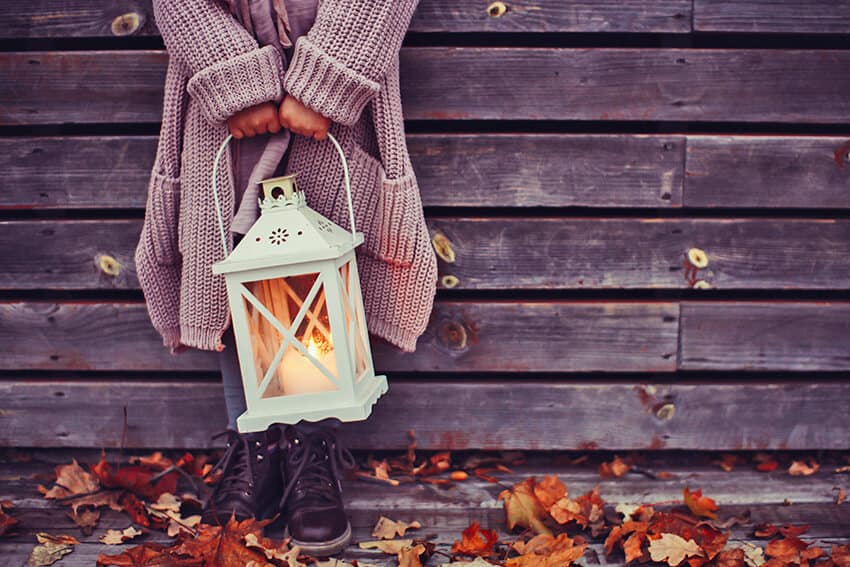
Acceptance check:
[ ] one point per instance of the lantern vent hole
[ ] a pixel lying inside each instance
(325, 225)
(277, 192)
(278, 236)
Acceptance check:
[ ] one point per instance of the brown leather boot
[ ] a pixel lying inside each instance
(312, 498)
(250, 485)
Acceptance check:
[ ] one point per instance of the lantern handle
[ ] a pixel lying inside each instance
(218, 213)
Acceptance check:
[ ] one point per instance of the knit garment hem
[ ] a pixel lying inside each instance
(322, 83)
(171, 338)
(257, 73)
(404, 339)
(202, 338)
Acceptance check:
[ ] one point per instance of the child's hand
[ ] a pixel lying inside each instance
(302, 120)
(254, 120)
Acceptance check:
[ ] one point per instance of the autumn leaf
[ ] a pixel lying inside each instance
(727, 461)
(799, 468)
(546, 551)
(85, 520)
(391, 546)
(841, 555)
(147, 555)
(7, 522)
(135, 478)
(787, 550)
(753, 554)
(475, 541)
(273, 550)
(522, 507)
(223, 546)
(730, 558)
(477, 562)
(549, 490)
(117, 537)
(673, 549)
(787, 530)
(632, 545)
(616, 468)
(50, 549)
(167, 510)
(587, 509)
(72, 480)
(389, 529)
(410, 556)
(700, 505)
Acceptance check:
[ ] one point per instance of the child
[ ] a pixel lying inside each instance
(233, 68)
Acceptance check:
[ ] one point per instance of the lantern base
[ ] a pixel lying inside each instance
(359, 409)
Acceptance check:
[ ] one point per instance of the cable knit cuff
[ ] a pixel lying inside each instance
(234, 84)
(325, 85)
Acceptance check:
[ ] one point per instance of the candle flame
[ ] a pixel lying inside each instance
(316, 348)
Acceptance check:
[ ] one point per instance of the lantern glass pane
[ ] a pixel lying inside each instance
(282, 321)
(353, 319)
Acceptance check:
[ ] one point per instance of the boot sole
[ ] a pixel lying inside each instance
(322, 548)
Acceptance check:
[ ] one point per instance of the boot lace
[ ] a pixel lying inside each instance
(316, 460)
(235, 466)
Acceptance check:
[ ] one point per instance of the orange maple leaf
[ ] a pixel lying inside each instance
(616, 468)
(787, 550)
(700, 505)
(135, 478)
(475, 541)
(147, 555)
(549, 490)
(546, 551)
(223, 546)
(522, 507)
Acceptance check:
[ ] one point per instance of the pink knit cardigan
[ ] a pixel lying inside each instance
(345, 68)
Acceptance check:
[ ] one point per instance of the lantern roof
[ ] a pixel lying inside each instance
(287, 232)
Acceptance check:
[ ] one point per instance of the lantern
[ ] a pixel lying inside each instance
(297, 312)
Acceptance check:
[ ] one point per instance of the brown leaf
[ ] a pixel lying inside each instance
(475, 541)
(223, 546)
(547, 551)
(770, 530)
(841, 555)
(632, 547)
(409, 556)
(147, 555)
(135, 478)
(390, 529)
(117, 537)
(522, 507)
(50, 549)
(673, 549)
(549, 490)
(787, 549)
(616, 468)
(391, 546)
(730, 558)
(841, 496)
(700, 505)
(72, 479)
(799, 468)
(273, 550)
(727, 461)
(85, 520)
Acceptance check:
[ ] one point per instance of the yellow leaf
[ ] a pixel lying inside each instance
(522, 507)
(673, 549)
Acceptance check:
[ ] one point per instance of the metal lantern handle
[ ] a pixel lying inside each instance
(218, 203)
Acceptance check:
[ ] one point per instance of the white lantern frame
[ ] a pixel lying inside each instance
(354, 392)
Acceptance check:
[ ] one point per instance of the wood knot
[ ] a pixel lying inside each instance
(664, 411)
(109, 265)
(126, 24)
(496, 9)
(452, 335)
(698, 258)
(449, 281)
(443, 247)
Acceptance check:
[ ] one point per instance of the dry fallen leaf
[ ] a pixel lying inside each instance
(475, 541)
(50, 549)
(753, 554)
(547, 551)
(700, 505)
(522, 507)
(117, 537)
(409, 556)
(787, 550)
(841, 555)
(673, 549)
(7, 522)
(271, 549)
(799, 468)
(223, 546)
(477, 562)
(389, 529)
(616, 468)
(549, 490)
(730, 558)
(86, 519)
(841, 496)
(147, 555)
(391, 546)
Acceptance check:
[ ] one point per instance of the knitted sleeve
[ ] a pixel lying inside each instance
(336, 68)
(227, 68)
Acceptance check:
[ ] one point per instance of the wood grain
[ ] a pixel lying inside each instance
(93, 18)
(769, 335)
(492, 253)
(462, 337)
(767, 171)
(508, 170)
(524, 415)
(761, 16)
(472, 83)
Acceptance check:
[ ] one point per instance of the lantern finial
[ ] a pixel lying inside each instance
(280, 193)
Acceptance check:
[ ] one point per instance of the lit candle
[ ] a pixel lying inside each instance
(301, 376)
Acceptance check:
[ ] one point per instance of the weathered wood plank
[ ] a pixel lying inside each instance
(461, 337)
(767, 171)
(90, 18)
(481, 83)
(768, 335)
(453, 415)
(787, 16)
(503, 253)
(509, 170)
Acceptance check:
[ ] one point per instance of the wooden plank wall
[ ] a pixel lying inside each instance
(570, 155)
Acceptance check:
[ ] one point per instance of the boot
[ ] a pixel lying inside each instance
(312, 498)
(250, 485)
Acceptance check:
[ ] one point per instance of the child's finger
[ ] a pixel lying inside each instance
(273, 126)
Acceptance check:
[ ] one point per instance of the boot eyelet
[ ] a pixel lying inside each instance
(259, 458)
(257, 444)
